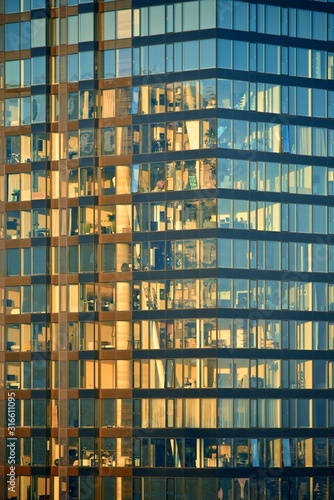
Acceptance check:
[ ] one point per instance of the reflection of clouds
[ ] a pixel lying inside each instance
(86, 142)
(108, 141)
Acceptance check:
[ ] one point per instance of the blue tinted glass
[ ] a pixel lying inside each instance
(207, 14)
(38, 103)
(190, 16)
(319, 30)
(272, 59)
(39, 260)
(73, 63)
(177, 56)
(169, 18)
(108, 64)
(12, 6)
(25, 5)
(225, 15)
(12, 36)
(319, 105)
(157, 59)
(134, 103)
(135, 177)
(286, 139)
(331, 27)
(144, 60)
(190, 55)
(25, 110)
(25, 35)
(109, 25)
(12, 74)
(38, 4)
(157, 19)
(207, 53)
(136, 61)
(303, 23)
(38, 32)
(240, 17)
(12, 112)
(224, 54)
(302, 62)
(86, 24)
(169, 58)
(38, 298)
(86, 65)
(241, 55)
(38, 71)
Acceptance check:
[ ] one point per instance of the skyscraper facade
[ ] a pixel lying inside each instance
(167, 249)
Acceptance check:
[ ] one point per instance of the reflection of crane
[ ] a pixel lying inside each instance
(301, 380)
(14, 158)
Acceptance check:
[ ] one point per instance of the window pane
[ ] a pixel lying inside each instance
(38, 33)
(123, 62)
(72, 26)
(108, 64)
(86, 27)
(157, 59)
(157, 20)
(240, 58)
(12, 36)
(224, 54)
(86, 65)
(207, 53)
(190, 55)
(190, 16)
(38, 70)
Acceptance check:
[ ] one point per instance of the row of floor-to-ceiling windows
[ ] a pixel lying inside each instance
(188, 333)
